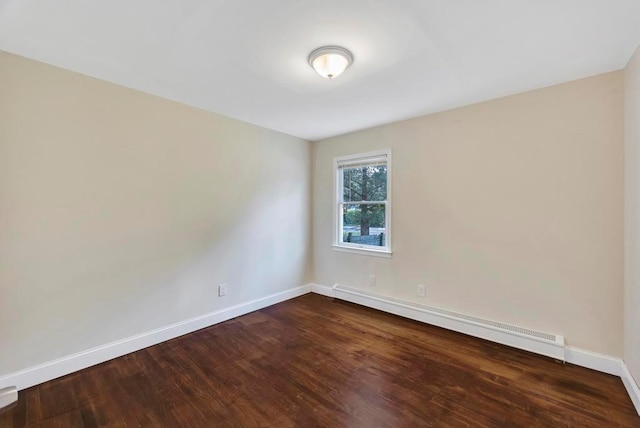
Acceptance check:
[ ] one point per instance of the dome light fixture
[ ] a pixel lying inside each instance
(330, 61)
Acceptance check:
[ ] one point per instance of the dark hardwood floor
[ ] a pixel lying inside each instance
(313, 361)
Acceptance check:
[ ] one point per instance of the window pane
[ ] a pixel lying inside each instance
(368, 183)
(364, 224)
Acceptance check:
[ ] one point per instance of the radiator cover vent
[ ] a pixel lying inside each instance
(502, 326)
(548, 344)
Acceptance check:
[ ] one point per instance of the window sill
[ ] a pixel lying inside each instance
(362, 251)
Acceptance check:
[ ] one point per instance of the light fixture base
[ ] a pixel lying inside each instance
(330, 61)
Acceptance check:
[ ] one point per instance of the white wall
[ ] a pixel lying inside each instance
(632, 216)
(510, 210)
(121, 212)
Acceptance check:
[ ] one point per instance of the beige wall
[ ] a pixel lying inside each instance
(632, 216)
(511, 210)
(121, 212)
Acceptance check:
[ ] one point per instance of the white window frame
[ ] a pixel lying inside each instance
(338, 245)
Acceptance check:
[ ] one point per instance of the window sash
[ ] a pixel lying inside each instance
(341, 184)
(340, 230)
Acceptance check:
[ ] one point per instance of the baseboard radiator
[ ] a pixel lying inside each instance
(551, 345)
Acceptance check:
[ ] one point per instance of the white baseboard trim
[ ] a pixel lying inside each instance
(8, 396)
(323, 290)
(62, 366)
(631, 385)
(593, 360)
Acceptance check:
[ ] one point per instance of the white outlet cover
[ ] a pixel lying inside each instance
(422, 290)
(222, 290)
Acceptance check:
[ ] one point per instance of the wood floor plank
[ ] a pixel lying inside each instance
(313, 361)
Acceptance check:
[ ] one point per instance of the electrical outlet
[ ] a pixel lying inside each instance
(222, 290)
(422, 290)
(372, 280)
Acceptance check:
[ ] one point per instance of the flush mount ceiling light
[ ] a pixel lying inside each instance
(330, 61)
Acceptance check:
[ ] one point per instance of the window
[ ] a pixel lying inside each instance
(363, 203)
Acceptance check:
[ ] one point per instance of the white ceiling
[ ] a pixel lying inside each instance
(248, 58)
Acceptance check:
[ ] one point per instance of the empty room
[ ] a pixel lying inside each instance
(336, 214)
